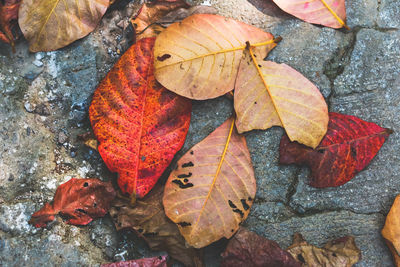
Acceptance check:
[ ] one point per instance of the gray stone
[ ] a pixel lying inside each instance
(389, 14)
(361, 13)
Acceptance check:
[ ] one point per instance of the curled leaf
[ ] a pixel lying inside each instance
(160, 261)
(247, 248)
(199, 57)
(148, 219)
(342, 252)
(140, 125)
(213, 187)
(8, 14)
(78, 200)
(270, 94)
(51, 24)
(348, 147)
(330, 13)
(391, 230)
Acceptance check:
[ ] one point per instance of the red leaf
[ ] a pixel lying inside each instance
(348, 147)
(160, 261)
(249, 249)
(8, 13)
(79, 200)
(140, 125)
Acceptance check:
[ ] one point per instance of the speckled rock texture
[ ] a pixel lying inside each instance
(44, 100)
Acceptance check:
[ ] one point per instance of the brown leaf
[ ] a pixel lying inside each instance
(199, 57)
(247, 248)
(160, 261)
(8, 14)
(78, 200)
(148, 219)
(341, 252)
(211, 191)
(391, 230)
(51, 24)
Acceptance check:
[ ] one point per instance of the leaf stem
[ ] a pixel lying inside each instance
(335, 15)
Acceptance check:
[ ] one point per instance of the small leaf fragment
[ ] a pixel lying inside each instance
(348, 147)
(79, 200)
(8, 14)
(391, 230)
(160, 261)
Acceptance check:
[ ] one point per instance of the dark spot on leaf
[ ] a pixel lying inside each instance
(163, 57)
(184, 224)
(300, 258)
(191, 152)
(140, 230)
(181, 184)
(159, 257)
(95, 204)
(255, 102)
(86, 184)
(81, 211)
(334, 255)
(143, 158)
(186, 180)
(353, 151)
(239, 211)
(249, 199)
(321, 151)
(244, 204)
(185, 175)
(247, 45)
(233, 206)
(188, 164)
(259, 65)
(232, 230)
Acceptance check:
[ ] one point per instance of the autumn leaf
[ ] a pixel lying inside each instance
(330, 13)
(212, 189)
(202, 54)
(140, 125)
(148, 220)
(348, 147)
(246, 248)
(51, 24)
(270, 94)
(342, 252)
(8, 13)
(78, 200)
(391, 230)
(160, 261)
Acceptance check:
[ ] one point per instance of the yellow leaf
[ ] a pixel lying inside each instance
(391, 230)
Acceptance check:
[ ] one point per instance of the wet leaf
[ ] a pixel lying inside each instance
(247, 248)
(148, 219)
(51, 24)
(199, 57)
(342, 252)
(330, 13)
(140, 125)
(270, 94)
(348, 147)
(79, 201)
(8, 14)
(160, 261)
(391, 230)
(212, 189)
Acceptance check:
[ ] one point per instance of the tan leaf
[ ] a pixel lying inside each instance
(51, 24)
(211, 191)
(270, 94)
(199, 57)
(341, 252)
(331, 13)
(148, 219)
(391, 230)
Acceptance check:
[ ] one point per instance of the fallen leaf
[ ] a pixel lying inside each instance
(348, 147)
(160, 261)
(148, 219)
(51, 24)
(330, 13)
(342, 252)
(391, 230)
(78, 200)
(8, 13)
(140, 125)
(199, 57)
(269, 8)
(270, 94)
(213, 187)
(246, 248)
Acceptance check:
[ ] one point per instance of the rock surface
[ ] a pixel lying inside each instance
(44, 98)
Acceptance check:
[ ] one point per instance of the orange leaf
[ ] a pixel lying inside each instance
(391, 230)
(211, 191)
(8, 13)
(330, 13)
(140, 125)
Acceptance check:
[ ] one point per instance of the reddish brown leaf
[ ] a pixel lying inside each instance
(160, 261)
(139, 124)
(247, 248)
(78, 200)
(391, 231)
(348, 147)
(8, 14)
(149, 221)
